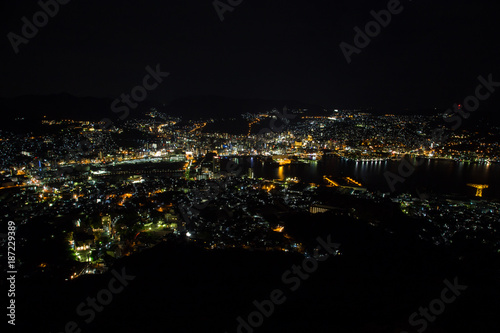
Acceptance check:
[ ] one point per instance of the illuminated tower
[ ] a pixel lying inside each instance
(479, 189)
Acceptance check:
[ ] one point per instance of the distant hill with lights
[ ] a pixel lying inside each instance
(25, 111)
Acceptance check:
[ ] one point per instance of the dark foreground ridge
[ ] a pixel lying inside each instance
(376, 283)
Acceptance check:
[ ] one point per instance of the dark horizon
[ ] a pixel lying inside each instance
(57, 95)
(429, 55)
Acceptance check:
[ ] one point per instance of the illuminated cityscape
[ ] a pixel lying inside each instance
(250, 167)
(105, 194)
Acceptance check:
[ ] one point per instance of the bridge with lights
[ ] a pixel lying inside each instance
(344, 183)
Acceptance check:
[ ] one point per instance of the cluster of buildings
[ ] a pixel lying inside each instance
(452, 219)
(131, 186)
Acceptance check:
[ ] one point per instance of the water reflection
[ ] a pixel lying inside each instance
(435, 175)
(281, 173)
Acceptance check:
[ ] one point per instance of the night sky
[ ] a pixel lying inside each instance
(429, 55)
